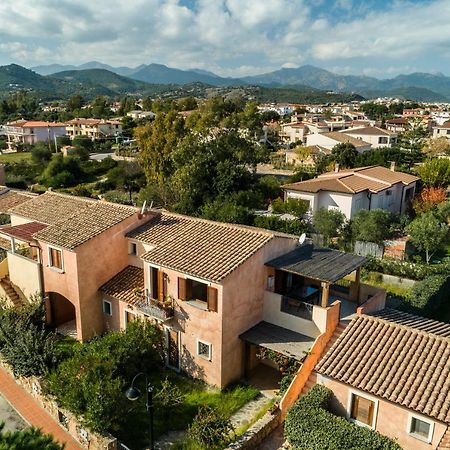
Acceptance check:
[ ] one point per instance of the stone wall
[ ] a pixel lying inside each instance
(86, 438)
(257, 432)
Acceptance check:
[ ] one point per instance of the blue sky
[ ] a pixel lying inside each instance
(231, 37)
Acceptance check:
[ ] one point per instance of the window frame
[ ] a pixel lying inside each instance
(132, 246)
(365, 396)
(104, 301)
(429, 438)
(50, 259)
(209, 345)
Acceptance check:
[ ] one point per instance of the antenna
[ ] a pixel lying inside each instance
(302, 238)
(143, 207)
(151, 205)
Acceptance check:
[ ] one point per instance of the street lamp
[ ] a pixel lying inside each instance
(133, 393)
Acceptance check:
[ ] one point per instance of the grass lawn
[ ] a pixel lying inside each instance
(135, 434)
(15, 157)
(394, 293)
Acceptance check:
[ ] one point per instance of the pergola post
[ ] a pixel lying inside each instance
(357, 285)
(325, 294)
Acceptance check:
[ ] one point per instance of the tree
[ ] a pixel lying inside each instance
(345, 154)
(429, 199)
(435, 172)
(295, 206)
(83, 142)
(413, 138)
(41, 153)
(427, 234)
(28, 439)
(62, 172)
(436, 147)
(328, 222)
(371, 226)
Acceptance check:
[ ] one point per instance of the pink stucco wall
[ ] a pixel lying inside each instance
(392, 420)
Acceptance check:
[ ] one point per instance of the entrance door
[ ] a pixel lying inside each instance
(173, 349)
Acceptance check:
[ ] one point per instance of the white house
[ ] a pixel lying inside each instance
(375, 136)
(332, 138)
(139, 114)
(372, 187)
(442, 131)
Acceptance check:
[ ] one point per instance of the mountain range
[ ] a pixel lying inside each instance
(95, 78)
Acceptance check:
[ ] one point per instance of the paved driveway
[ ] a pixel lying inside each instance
(9, 415)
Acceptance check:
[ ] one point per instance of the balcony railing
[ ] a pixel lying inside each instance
(161, 310)
(296, 307)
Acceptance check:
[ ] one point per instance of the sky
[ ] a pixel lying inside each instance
(379, 38)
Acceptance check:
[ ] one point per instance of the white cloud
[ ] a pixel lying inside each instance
(231, 37)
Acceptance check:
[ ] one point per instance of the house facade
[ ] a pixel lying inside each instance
(389, 372)
(348, 191)
(330, 139)
(94, 128)
(442, 131)
(377, 137)
(30, 132)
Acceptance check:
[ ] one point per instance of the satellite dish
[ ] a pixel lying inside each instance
(302, 238)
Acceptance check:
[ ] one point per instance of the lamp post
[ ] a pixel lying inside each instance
(134, 393)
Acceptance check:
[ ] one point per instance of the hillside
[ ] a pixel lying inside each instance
(13, 77)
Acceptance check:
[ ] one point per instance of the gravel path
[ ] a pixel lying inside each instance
(13, 422)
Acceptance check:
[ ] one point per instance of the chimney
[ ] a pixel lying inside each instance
(336, 167)
(393, 166)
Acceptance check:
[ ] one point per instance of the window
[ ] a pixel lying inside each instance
(363, 410)
(383, 140)
(132, 248)
(420, 428)
(55, 258)
(204, 350)
(107, 308)
(198, 290)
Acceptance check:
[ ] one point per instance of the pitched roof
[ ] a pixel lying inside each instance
(444, 125)
(202, 248)
(371, 178)
(369, 131)
(10, 199)
(124, 285)
(344, 139)
(395, 360)
(72, 220)
(35, 124)
(318, 263)
(24, 232)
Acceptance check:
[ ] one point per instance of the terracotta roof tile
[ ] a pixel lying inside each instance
(10, 199)
(369, 131)
(202, 248)
(344, 138)
(397, 360)
(124, 285)
(317, 184)
(24, 232)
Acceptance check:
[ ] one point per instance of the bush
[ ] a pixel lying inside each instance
(371, 226)
(310, 425)
(296, 227)
(91, 382)
(428, 295)
(209, 429)
(296, 207)
(328, 222)
(28, 439)
(24, 342)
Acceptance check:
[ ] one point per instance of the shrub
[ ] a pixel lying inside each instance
(296, 226)
(24, 342)
(91, 382)
(310, 425)
(296, 207)
(371, 226)
(328, 222)
(28, 439)
(428, 295)
(210, 429)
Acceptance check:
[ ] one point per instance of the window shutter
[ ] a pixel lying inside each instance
(182, 288)
(279, 282)
(160, 285)
(212, 299)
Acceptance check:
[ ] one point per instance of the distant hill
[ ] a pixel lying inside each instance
(13, 77)
(415, 86)
(114, 83)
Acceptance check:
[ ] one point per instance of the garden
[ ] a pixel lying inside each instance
(90, 380)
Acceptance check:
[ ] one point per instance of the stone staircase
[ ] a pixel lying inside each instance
(13, 297)
(312, 380)
(445, 441)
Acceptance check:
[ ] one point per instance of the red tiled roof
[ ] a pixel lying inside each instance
(24, 231)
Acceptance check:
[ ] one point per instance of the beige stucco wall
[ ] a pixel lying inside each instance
(17, 220)
(392, 420)
(24, 273)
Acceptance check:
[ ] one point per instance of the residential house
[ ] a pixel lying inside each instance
(389, 371)
(442, 130)
(375, 136)
(217, 290)
(94, 128)
(372, 187)
(139, 114)
(333, 138)
(396, 125)
(306, 157)
(293, 132)
(30, 132)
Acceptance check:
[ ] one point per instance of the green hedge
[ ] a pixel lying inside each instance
(405, 269)
(310, 426)
(428, 296)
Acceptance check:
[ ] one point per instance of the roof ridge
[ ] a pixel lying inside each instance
(407, 327)
(339, 180)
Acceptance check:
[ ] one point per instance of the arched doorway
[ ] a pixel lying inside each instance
(61, 314)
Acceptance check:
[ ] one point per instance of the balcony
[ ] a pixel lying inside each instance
(160, 310)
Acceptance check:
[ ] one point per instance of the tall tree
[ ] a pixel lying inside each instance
(328, 222)
(435, 172)
(345, 154)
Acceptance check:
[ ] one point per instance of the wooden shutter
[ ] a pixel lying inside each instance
(279, 278)
(182, 288)
(160, 285)
(212, 299)
(154, 282)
